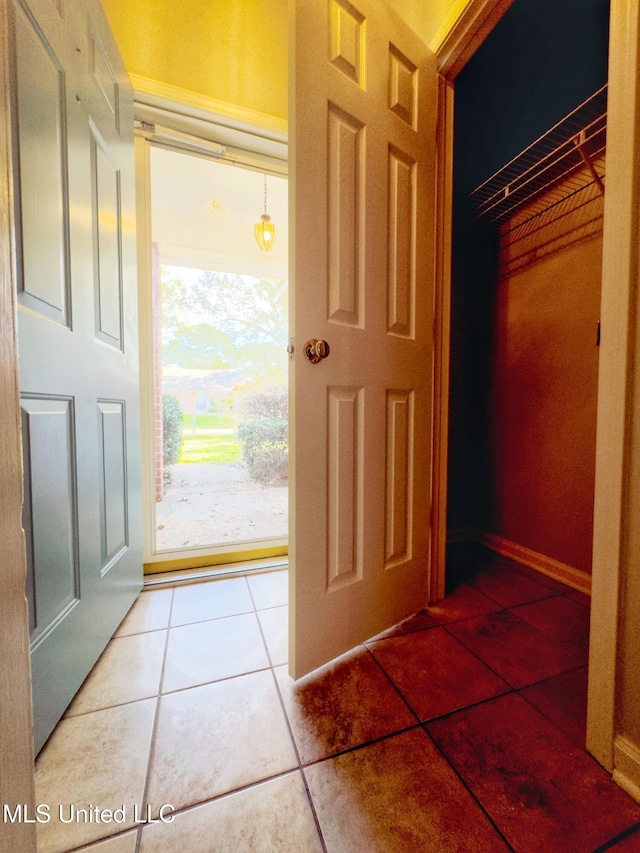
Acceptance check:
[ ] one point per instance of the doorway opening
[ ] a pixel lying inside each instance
(524, 320)
(220, 325)
(525, 295)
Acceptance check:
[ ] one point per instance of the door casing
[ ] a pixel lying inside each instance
(263, 153)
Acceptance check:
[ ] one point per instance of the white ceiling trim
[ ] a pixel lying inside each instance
(251, 139)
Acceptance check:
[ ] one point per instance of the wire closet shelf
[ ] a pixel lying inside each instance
(564, 162)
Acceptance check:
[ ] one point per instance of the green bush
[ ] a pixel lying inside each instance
(265, 449)
(171, 431)
(272, 403)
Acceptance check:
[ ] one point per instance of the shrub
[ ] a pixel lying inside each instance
(264, 436)
(272, 403)
(171, 431)
(265, 449)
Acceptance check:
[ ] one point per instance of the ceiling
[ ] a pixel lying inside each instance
(203, 212)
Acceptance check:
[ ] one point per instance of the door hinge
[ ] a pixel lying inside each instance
(291, 348)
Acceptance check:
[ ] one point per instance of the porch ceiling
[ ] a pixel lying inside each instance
(204, 211)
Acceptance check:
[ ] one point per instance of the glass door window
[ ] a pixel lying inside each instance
(220, 338)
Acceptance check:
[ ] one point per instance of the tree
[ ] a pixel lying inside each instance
(200, 346)
(225, 320)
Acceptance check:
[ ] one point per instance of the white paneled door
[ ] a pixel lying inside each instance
(75, 269)
(362, 180)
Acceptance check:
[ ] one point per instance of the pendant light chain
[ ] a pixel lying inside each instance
(265, 230)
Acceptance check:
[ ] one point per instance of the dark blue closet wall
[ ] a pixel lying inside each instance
(542, 59)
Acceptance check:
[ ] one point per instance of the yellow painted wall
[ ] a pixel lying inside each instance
(231, 50)
(426, 18)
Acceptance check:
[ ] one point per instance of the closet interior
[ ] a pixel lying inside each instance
(529, 184)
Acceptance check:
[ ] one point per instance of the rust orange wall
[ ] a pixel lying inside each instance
(542, 402)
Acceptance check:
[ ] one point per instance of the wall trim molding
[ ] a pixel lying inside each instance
(148, 91)
(575, 578)
(463, 30)
(626, 771)
(462, 534)
(446, 28)
(178, 119)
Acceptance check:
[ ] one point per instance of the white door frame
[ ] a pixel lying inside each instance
(613, 719)
(197, 128)
(614, 658)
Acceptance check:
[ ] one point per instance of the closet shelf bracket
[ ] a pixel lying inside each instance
(579, 142)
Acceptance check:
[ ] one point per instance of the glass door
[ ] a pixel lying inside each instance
(220, 330)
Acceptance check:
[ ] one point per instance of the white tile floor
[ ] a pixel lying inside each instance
(181, 708)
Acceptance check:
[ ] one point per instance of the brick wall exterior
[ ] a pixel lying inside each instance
(157, 368)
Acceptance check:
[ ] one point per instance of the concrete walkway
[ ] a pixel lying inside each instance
(209, 503)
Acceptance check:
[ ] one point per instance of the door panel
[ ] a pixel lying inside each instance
(362, 148)
(73, 215)
(52, 529)
(107, 229)
(42, 143)
(113, 484)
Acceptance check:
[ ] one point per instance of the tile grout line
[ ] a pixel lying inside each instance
(191, 807)
(312, 806)
(622, 836)
(299, 760)
(509, 689)
(513, 690)
(214, 619)
(154, 727)
(262, 634)
(128, 829)
(272, 668)
(496, 828)
(581, 746)
(578, 665)
(290, 730)
(393, 684)
(91, 845)
(567, 591)
(364, 745)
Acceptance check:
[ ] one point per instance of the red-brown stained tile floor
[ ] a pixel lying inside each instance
(563, 700)
(517, 651)
(414, 665)
(541, 791)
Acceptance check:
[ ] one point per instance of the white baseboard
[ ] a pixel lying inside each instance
(575, 578)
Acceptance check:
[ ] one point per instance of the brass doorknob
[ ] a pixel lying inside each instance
(315, 350)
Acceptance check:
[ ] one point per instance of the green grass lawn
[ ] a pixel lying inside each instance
(210, 448)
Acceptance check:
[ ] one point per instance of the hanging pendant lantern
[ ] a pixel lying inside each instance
(265, 230)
